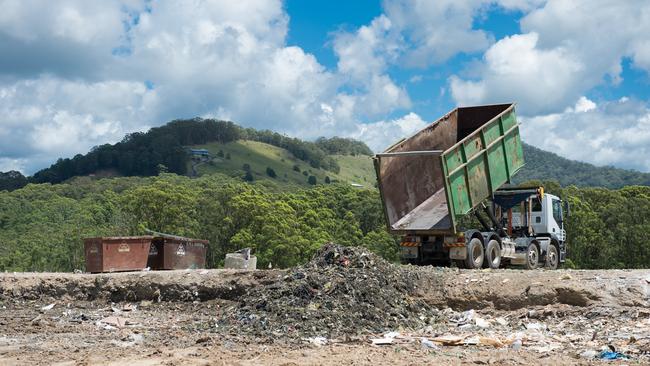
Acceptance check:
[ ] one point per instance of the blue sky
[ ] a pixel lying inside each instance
(75, 74)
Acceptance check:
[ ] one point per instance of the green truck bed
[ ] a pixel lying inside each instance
(431, 179)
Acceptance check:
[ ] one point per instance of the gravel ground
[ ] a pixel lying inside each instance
(344, 307)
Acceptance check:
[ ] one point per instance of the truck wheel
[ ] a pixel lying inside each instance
(532, 256)
(551, 257)
(474, 254)
(493, 255)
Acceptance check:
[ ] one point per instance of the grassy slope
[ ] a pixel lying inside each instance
(354, 169)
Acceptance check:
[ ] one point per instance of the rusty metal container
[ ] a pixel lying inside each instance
(117, 253)
(430, 180)
(176, 252)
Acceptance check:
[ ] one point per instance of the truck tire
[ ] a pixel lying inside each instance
(552, 258)
(532, 256)
(492, 255)
(475, 254)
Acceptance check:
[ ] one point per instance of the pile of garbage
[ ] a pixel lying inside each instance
(342, 292)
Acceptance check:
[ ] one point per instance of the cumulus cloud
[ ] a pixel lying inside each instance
(565, 49)
(612, 133)
(75, 74)
(380, 135)
(541, 80)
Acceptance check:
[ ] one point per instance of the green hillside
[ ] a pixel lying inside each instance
(230, 158)
(547, 166)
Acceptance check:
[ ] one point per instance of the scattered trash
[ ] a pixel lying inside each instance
(116, 321)
(387, 339)
(427, 344)
(342, 291)
(481, 323)
(535, 326)
(610, 355)
(317, 341)
(449, 340)
(381, 341)
(146, 269)
(129, 307)
(590, 353)
(48, 307)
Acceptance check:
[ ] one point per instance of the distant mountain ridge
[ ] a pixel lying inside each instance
(545, 165)
(165, 149)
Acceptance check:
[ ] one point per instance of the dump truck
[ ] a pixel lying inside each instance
(462, 164)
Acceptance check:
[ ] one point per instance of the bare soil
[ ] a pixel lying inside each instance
(318, 315)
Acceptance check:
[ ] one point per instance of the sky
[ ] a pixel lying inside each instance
(77, 73)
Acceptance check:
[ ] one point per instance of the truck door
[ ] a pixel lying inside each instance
(556, 225)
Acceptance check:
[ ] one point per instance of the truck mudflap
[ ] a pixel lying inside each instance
(458, 252)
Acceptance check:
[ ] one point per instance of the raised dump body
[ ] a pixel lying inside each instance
(431, 179)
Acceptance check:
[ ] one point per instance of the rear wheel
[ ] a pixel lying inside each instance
(475, 254)
(552, 258)
(493, 255)
(532, 256)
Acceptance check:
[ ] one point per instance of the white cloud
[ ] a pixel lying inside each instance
(380, 135)
(138, 68)
(540, 80)
(49, 117)
(436, 30)
(612, 133)
(566, 48)
(74, 74)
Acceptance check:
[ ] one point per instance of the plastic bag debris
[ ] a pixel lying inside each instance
(481, 323)
(387, 339)
(610, 355)
(427, 343)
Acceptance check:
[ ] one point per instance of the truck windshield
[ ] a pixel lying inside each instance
(557, 210)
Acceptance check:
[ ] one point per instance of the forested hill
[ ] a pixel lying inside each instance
(165, 149)
(547, 166)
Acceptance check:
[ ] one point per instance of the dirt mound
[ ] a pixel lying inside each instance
(341, 292)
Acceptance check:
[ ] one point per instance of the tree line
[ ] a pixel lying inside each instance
(42, 225)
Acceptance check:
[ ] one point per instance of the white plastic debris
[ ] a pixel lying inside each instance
(481, 323)
(48, 307)
(317, 341)
(387, 339)
(535, 326)
(428, 344)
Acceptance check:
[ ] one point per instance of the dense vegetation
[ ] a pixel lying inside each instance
(163, 149)
(42, 226)
(343, 146)
(546, 165)
(606, 228)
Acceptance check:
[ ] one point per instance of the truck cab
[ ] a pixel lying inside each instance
(533, 223)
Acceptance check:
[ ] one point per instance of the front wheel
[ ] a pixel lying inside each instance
(552, 258)
(475, 254)
(532, 256)
(493, 255)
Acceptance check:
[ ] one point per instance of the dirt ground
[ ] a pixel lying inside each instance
(203, 317)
